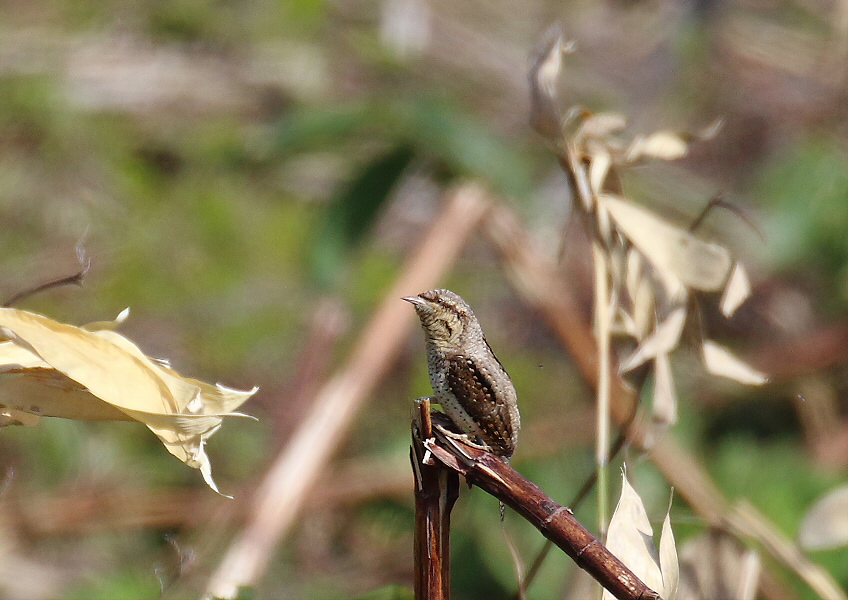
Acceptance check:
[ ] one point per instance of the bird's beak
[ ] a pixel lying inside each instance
(414, 300)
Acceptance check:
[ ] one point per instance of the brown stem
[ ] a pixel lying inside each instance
(75, 279)
(436, 491)
(556, 522)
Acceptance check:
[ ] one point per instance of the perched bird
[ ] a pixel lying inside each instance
(468, 380)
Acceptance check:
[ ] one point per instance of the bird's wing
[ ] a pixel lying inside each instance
(472, 385)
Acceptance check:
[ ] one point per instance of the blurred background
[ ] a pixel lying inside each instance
(250, 177)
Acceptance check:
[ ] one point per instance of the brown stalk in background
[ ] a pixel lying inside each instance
(282, 494)
(537, 280)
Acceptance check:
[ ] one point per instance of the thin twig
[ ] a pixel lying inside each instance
(75, 279)
(718, 201)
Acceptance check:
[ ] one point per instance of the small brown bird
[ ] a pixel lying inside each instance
(467, 378)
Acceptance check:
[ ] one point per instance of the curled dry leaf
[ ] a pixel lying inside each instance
(545, 114)
(665, 395)
(93, 373)
(663, 340)
(737, 290)
(669, 564)
(720, 361)
(665, 145)
(825, 525)
(630, 538)
(672, 251)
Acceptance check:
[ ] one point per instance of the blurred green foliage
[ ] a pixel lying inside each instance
(197, 219)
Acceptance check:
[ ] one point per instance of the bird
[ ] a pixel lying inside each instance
(468, 380)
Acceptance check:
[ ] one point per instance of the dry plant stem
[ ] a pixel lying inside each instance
(328, 322)
(75, 279)
(556, 522)
(536, 278)
(746, 521)
(436, 491)
(603, 320)
(281, 495)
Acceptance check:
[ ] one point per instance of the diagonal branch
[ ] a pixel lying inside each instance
(556, 522)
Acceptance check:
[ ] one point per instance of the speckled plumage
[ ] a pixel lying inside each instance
(468, 380)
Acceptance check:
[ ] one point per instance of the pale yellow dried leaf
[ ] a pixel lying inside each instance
(109, 325)
(825, 525)
(548, 67)
(674, 252)
(665, 396)
(669, 564)
(600, 126)
(14, 357)
(629, 538)
(715, 565)
(664, 339)
(720, 361)
(598, 169)
(99, 374)
(640, 288)
(106, 370)
(193, 395)
(49, 393)
(634, 273)
(604, 225)
(665, 145)
(737, 290)
(544, 75)
(180, 394)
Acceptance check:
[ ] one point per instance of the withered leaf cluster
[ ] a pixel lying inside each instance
(50, 369)
(647, 267)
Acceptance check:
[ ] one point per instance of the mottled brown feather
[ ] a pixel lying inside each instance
(492, 416)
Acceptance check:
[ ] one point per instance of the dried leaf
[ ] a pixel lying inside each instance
(664, 339)
(600, 126)
(641, 291)
(665, 396)
(544, 75)
(598, 169)
(673, 251)
(737, 290)
(53, 369)
(668, 560)
(45, 392)
(110, 325)
(715, 565)
(665, 145)
(825, 525)
(629, 537)
(720, 361)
